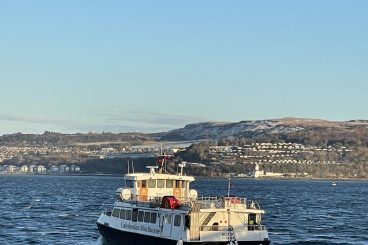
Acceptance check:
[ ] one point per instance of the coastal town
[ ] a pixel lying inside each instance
(273, 153)
(68, 159)
(275, 160)
(40, 169)
(256, 159)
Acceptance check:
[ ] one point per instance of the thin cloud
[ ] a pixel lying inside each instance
(36, 119)
(156, 120)
(120, 128)
(134, 121)
(41, 124)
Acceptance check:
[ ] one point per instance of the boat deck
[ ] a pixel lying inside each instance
(209, 202)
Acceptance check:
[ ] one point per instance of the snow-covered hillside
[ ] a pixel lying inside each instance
(254, 128)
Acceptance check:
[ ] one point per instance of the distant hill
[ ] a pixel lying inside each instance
(262, 128)
(294, 129)
(59, 139)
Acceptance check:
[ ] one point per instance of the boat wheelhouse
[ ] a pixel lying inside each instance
(160, 208)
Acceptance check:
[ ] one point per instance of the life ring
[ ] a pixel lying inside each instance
(170, 202)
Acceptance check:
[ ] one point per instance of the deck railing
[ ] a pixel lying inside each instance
(256, 227)
(225, 228)
(222, 202)
(205, 202)
(214, 228)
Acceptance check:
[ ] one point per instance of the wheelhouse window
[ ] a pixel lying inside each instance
(115, 213)
(177, 220)
(169, 183)
(152, 183)
(160, 183)
(129, 183)
(177, 183)
(144, 183)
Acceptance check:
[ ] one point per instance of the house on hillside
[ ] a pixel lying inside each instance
(24, 169)
(40, 169)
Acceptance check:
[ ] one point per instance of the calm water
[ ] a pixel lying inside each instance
(63, 210)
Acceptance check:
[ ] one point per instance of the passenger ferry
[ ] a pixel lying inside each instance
(158, 208)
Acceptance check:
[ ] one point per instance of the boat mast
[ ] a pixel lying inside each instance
(228, 187)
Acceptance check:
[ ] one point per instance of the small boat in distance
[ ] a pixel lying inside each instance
(159, 208)
(333, 183)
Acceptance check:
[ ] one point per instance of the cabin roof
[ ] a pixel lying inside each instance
(143, 176)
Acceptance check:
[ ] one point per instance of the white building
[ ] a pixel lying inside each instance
(24, 169)
(40, 169)
(11, 168)
(64, 168)
(74, 168)
(54, 169)
(260, 173)
(32, 168)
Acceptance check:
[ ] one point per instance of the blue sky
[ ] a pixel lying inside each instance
(148, 66)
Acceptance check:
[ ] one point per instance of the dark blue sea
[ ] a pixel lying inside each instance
(64, 209)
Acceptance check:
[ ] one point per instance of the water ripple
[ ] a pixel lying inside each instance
(64, 209)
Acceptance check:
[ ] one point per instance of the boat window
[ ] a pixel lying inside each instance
(140, 216)
(128, 214)
(168, 218)
(130, 183)
(169, 183)
(147, 216)
(215, 226)
(134, 215)
(177, 220)
(116, 212)
(177, 183)
(153, 218)
(160, 183)
(152, 183)
(187, 221)
(143, 183)
(122, 214)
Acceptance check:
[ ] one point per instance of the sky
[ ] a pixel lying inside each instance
(150, 66)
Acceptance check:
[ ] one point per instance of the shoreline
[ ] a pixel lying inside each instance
(53, 174)
(198, 176)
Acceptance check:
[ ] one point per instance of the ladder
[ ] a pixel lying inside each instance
(208, 218)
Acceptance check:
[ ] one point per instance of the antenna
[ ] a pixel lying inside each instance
(152, 169)
(181, 165)
(161, 160)
(228, 188)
